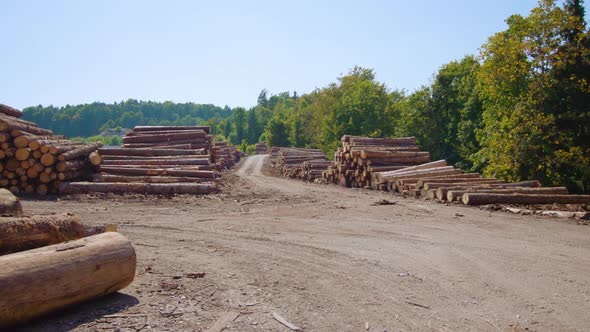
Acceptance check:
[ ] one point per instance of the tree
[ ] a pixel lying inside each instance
(239, 115)
(277, 133)
(253, 127)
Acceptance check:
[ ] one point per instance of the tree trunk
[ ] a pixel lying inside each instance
(22, 127)
(18, 234)
(441, 193)
(79, 152)
(455, 195)
(370, 154)
(186, 161)
(485, 198)
(146, 152)
(103, 177)
(158, 172)
(43, 280)
(5, 109)
(138, 188)
(193, 135)
(398, 161)
(95, 158)
(436, 185)
(383, 141)
(163, 128)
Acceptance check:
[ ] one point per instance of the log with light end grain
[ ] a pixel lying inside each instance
(486, 198)
(24, 233)
(95, 158)
(84, 150)
(9, 205)
(43, 280)
(138, 188)
(455, 195)
(11, 111)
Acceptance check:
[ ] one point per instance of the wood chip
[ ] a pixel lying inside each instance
(284, 322)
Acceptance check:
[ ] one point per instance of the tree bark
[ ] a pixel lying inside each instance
(429, 186)
(192, 135)
(441, 193)
(186, 161)
(103, 177)
(455, 195)
(161, 128)
(138, 188)
(5, 109)
(43, 280)
(18, 234)
(158, 172)
(79, 152)
(146, 152)
(9, 205)
(485, 198)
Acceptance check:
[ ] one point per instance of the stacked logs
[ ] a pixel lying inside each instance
(155, 160)
(224, 155)
(35, 160)
(359, 158)
(443, 183)
(314, 169)
(290, 161)
(34, 255)
(261, 148)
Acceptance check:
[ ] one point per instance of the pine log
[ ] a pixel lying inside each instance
(72, 165)
(455, 195)
(383, 141)
(192, 135)
(370, 154)
(146, 152)
(22, 154)
(158, 172)
(398, 161)
(24, 233)
(47, 159)
(441, 193)
(95, 158)
(429, 186)
(103, 177)
(160, 128)
(43, 280)
(486, 198)
(419, 180)
(5, 109)
(81, 151)
(137, 188)
(157, 144)
(9, 205)
(19, 127)
(186, 161)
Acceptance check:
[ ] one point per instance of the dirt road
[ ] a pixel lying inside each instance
(326, 259)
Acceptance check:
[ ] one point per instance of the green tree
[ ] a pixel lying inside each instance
(277, 133)
(239, 116)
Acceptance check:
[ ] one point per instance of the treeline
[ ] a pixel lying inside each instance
(91, 119)
(518, 110)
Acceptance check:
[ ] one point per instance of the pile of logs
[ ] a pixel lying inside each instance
(291, 162)
(155, 160)
(224, 156)
(359, 158)
(261, 148)
(42, 273)
(438, 181)
(35, 160)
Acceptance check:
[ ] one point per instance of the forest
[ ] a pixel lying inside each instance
(519, 109)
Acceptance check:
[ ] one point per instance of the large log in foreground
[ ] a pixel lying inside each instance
(10, 111)
(490, 198)
(9, 206)
(43, 280)
(18, 234)
(138, 188)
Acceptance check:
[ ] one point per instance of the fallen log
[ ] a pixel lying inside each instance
(486, 198)
(454, 195)
(186, 161)
(157, 171)
(103, 177)
(161, 128)
(43, 280)
(18, 234)
(430, 185)
(95, 158)
(137, 188)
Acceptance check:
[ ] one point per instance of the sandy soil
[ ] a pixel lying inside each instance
(330, 259)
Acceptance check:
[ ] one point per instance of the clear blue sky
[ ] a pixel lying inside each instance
(225, 52)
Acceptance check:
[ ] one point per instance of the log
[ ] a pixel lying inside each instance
(103, 177)
(146, 152)
(165, 137)
(383, 141)
(5, 109)
(137, 188)
(454, 195)
(486, 198)
(158, 172)
(72, 165)
(9, 205)
(24, 233)
(441, 193)
(43, 280)
(370, 154)
(186, 161)
(394, 161)
(436, 185)
(18, 127)
(79, 152)
(420, 180)
(47, 159)
(160, 128)
(171, 145)
(95, 158)
(22, 154)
